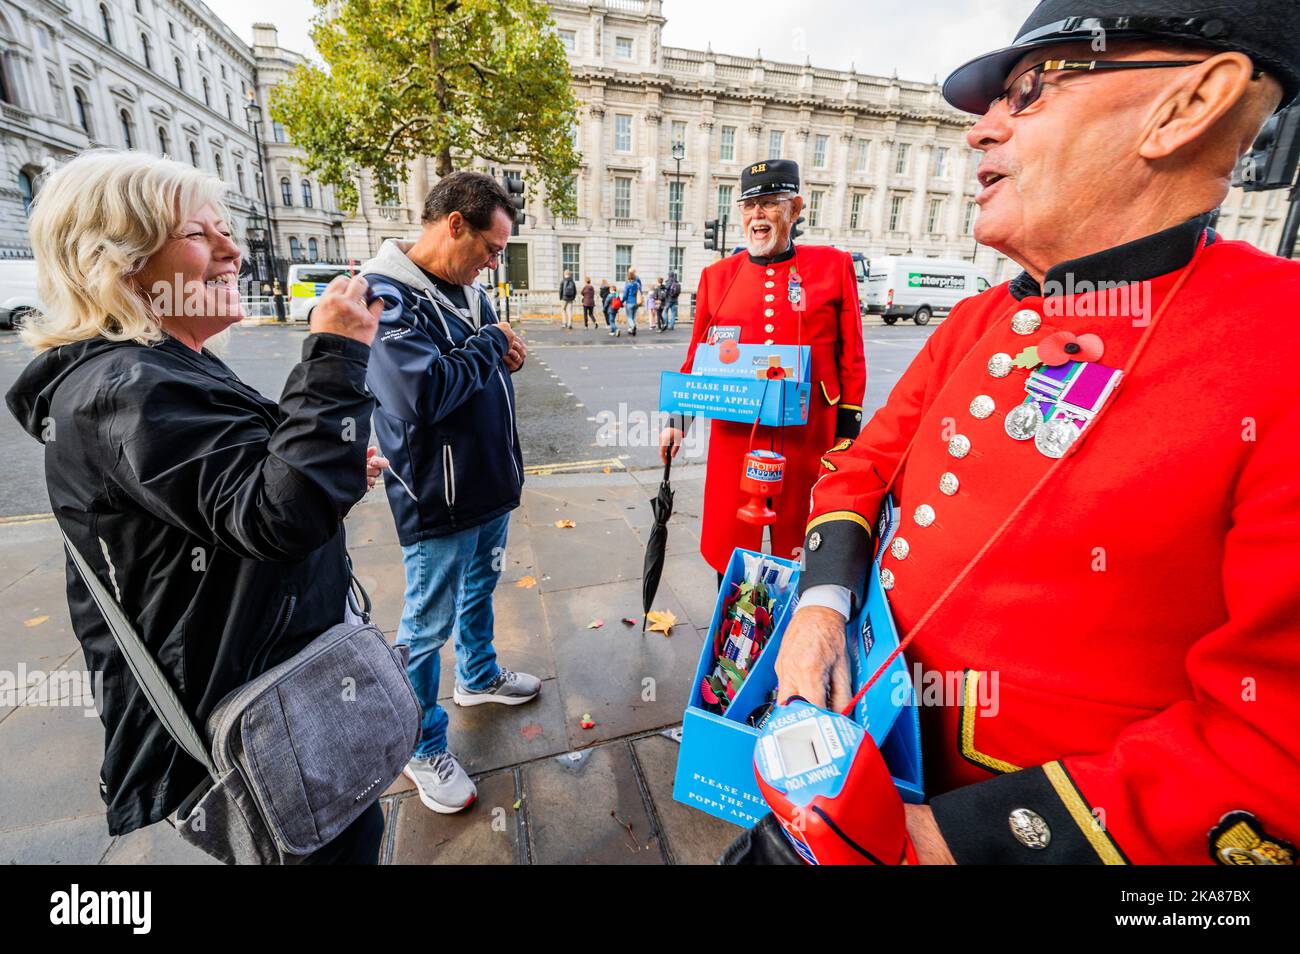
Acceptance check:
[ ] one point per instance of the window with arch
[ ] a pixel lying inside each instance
(306, 194)
(27, 189)
(230, 113)
(128, 128)
(106, 23)
(180, 72)
(83, 109)
(207, 93)
(295, 248)
(239, 177)
(164, 142)
(220, 165)
(146, 49)
(312, 249)
(56, 94)
(286, 192)
(194, 155)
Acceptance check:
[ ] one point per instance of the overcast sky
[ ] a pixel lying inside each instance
(920, 39)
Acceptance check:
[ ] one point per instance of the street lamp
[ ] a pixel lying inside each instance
(679, 153)
(253, 112)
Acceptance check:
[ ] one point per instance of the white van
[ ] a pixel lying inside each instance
(306, 282)
(917, 288)
(17, 290)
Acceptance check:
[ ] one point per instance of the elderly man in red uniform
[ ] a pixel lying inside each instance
(1099, 488)
(777, 293)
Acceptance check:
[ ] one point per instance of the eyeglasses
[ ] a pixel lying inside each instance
(767, 203)
(1028, 86)
(494, 253)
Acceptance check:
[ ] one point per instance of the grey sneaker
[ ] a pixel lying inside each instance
(509, 689)
(443, 785)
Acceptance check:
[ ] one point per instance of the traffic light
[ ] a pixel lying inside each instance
(1271, 162)
(711, 235)
(514, 185)
(795, 231)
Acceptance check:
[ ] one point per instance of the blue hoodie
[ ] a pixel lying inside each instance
(445, 405)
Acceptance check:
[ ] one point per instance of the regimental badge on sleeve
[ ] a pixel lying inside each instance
(1239, 839)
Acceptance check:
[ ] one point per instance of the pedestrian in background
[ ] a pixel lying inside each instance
(213, 513)
(588, 303)
(605, 291)
(612, 307)
(660, 302)
(672, 292)
(632, 296)
(568, 292)
(445, 416)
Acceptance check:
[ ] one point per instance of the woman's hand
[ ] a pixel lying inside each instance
(342, 310)
(374, 465)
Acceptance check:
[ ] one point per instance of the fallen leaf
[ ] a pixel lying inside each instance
(629, 620)
(604, 470)
(587, 722)
(525, 582)
(518, 802)
(531, 731)
(661, 621)
(596, 624)
(565, 524)
(35, 621)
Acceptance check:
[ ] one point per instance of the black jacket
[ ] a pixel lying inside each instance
(445, 404)
(214, 513)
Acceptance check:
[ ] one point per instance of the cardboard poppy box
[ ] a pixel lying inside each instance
(715, 767)
(736, 382)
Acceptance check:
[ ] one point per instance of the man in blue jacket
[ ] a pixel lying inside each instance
(445, 419)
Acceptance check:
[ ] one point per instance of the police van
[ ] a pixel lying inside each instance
(306, 282)
(895, 286)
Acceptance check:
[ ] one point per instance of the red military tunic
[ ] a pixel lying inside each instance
(1135, 605)
(753, 295)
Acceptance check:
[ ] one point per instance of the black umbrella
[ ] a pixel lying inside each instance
(662, 505)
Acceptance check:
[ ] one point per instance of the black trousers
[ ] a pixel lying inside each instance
(358, 844)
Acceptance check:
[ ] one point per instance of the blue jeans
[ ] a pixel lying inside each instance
(449, 584)
(671, 308)
(631, 315)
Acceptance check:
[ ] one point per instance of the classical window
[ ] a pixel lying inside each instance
(623, 47)
(312, 249)
(219, 164)
(968, 223)
(569, 40)
(815, 208)
(26, 190)
(775, 144)
(83, 109)
(901, 151)
(679, 135)
(897, 205)
(941, 162)
(622, 261)
(676, 190)
(676, 255)
(819, 151)
(106, 23)
(855, 211)
(863, 156)
(128, 129)
(164, 142)
(725, 192)
(286, 192)
(295, 248)
(727, 144)
(146, 48)
(622, 133)
(622, 198)
(306, 194)
(571, 257)
(277, 131)
(934, 219)
(180, 72)
(239, 177)
(207, 93)
(194, 155)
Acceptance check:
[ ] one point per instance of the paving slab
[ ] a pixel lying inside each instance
(694, 583)
(68, 841)
(155, 845)
(485, 833)
(627, 680)
(693, 837)
(580, 806)
(595, 551)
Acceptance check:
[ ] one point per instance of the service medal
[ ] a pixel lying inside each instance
(1023, 421)
(1054, 438)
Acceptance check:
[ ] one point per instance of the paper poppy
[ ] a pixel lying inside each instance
(1062, 346)
(775, 373)
(728, 352)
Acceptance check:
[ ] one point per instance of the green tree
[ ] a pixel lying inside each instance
(446, 79)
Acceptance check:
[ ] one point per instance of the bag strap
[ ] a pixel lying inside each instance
(157, 690)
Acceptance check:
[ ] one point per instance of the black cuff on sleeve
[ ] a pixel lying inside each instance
(848, 422)
(980, 822)
(837, 551)
(325, 342)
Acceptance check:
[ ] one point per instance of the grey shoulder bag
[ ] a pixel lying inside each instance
(297, 754)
